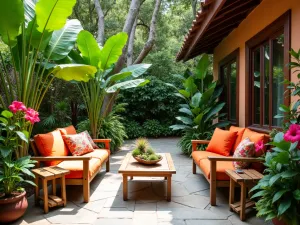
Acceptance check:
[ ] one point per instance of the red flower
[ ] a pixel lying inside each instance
(259, 146)
(32, 116)
(17, 106)
(293, 133)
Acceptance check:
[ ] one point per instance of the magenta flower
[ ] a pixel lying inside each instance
(17, 106)
(293, 133)
(32, 116)
(259, 146)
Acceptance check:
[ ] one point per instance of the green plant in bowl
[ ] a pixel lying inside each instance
(144, 152)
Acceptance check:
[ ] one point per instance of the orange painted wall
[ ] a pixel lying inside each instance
(263, 15)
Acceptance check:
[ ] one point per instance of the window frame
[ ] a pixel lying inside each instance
(227, 61)
(282, 24)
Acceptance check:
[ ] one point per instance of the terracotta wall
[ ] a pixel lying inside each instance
(267, 12)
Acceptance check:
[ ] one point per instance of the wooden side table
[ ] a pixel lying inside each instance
(46, 174)
(247, 179)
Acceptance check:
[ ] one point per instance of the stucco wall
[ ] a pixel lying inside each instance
(266, 13)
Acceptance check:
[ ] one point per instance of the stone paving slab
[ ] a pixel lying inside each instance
(146, 204)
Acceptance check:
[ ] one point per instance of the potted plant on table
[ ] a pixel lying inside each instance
(14, 172)
(143, 153)
(279, 189)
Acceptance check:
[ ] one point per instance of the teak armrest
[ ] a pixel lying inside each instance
(61, 158)
(198, 142)
(105, 141)
(240, 159)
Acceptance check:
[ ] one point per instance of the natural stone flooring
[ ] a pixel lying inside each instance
(189, 205)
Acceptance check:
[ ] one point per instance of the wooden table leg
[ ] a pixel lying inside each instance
(125, 187)
(45, 190)
(231, 193)
(36, 196)
(54, 186)
(63, 190)
(243, 201)
(169, 187)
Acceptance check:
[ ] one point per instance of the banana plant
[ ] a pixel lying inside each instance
(37, 33)
(201, 106)
(105, 81)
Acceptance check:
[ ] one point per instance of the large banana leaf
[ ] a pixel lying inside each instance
(198, 119)
(127, 85)
(207, 95)
(137, 69)
(117, 77)
(88, 47)
(196, 100)
(186, 111)
(29, 7)
(112, 50)
(185, 120)
(63, 40)
(190, 85)
(214, 111)
(202, 67)
(34, 36)
(75, 72)
(11, 17)
(179, 127)
(185, 93)
(52, 14)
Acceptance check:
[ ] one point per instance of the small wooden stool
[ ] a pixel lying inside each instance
(247, 179)
(46, 174)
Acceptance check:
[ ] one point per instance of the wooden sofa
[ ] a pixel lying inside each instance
(83, 168)
(213, 166)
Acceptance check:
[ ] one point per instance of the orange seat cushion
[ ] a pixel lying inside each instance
(199, 155)
(222, 142)
(240, 132)
(99, 156)
(221, 167)
(51, 144)
(67, 130)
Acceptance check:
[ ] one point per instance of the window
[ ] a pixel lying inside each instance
(267, 60)
(229, 79)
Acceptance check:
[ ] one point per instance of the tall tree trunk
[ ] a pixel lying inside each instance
(131, 44)
(74, 110)
(151, 39)
(100, 36)
(131, 16)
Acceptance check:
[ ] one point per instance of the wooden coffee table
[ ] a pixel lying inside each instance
(131, 168)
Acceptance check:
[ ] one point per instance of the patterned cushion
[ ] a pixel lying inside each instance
(244, 149)
(78, 144)
(90, 139)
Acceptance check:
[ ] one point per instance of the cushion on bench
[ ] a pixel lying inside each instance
(76, 167)
(221, 167)
(67, 130)
(199, 155)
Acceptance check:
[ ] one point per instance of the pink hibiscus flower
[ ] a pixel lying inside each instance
(259, 146)
(17, 106)
(32, 116)
(293, 133)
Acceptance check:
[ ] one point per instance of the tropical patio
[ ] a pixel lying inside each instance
(146, 204)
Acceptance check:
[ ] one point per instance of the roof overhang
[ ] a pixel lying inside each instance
(215, 21)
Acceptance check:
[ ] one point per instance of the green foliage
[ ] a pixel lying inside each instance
(153, 157)
(142, 144)
(13, 172)
(144, 151)
(136, 152)
(201, 106)
(291, 114)
(278, 191)
(153, 128)
(134, 129)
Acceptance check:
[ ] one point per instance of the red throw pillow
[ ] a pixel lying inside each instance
(222, 142)
(90, 139)
(78, 144)
(51, 144)
(238, 140)
(244, 149)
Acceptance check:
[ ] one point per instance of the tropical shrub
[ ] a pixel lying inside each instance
(106, 81)
(13, 128)
(201, 106)
(279, 190)
(39, 38)
(134, 129)
(291, 114)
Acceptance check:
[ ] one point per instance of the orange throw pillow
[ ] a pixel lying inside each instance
(67, 130)
(222, 142)
(238, 140)
(78, 144)
(256, 137)
(51, 144)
